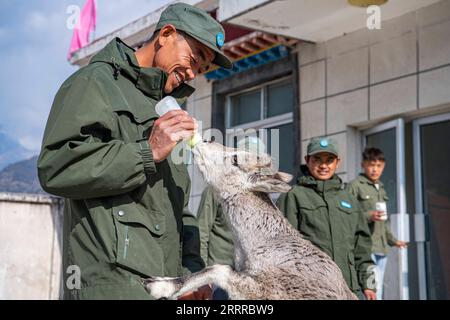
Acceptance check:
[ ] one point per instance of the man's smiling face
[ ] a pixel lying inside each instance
(181, 57)
(322, 166)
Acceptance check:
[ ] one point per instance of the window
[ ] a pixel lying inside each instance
(259, 111)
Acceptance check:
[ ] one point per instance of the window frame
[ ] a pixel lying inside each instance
(254, 77)
(263, 122)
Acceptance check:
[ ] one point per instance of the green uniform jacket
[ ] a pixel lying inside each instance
(330, 217)
(368, 195)
(123, 212)
(216, 238)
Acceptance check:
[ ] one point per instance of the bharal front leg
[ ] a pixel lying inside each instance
(222, 276)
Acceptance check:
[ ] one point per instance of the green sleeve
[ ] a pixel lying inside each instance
(192, 261)
(221, 243)
(80, 158)
(287, 204)
(191, 258)
(363, 249)
(391, 239)
(206, 216)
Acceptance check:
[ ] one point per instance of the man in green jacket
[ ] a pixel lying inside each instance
(327, 215)
(107, 153)
(372, 197)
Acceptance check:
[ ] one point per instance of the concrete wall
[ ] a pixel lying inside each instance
(30, 247)
(359, 80)
(199, 105)
(370, 76)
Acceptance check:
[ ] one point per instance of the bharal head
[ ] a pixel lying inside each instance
(233, 171)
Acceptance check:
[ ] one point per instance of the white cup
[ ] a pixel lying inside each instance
(381, 206)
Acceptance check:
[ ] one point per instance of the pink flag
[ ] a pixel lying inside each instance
(86, 24)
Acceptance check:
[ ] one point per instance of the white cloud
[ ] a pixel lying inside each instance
(31, 143)
(113, 15)
(37, 20)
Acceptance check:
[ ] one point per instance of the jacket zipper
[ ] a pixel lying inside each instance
(127, 242)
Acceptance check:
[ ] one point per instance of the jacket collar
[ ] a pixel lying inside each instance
(363, 179)
(150, 81)
(308, 181)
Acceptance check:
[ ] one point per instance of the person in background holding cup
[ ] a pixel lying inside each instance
(372, 196)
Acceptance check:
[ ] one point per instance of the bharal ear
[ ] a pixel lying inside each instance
(275, 183)
(283, 176)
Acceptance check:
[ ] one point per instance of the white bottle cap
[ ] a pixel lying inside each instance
(165, 105)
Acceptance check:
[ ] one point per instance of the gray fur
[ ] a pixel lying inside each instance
(272, 259)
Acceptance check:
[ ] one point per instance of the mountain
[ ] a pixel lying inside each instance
(21, 177)
(11, 151)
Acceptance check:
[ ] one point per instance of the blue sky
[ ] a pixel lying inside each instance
(34, 42)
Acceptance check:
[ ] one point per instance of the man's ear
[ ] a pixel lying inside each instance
(338, 162)
(165, 33)
(276, 183)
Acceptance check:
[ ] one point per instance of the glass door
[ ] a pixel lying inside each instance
(389, 137)
(432, 188)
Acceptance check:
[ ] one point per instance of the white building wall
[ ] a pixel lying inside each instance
(30, 247)
(370, 76)
(199, 106)
(359, 80)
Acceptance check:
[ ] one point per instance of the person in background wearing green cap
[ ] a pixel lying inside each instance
(330, 217)
(216, 238)
(107, 152)
(372, 197)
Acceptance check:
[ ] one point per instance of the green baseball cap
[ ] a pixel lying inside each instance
(198, 24)
(318, 145)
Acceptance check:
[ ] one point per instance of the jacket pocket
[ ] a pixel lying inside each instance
(346, 210)
(349, 220)
(365, 201)
(363, 196)
(138, 247)
(313, 221)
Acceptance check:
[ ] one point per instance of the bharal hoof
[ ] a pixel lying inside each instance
(160, 287)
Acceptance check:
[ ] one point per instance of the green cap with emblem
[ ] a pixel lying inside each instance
(318, 145)
(198, 24)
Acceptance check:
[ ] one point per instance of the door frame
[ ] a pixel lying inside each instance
(402, 231)
(419, 217)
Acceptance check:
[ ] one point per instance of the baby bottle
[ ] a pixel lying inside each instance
(168, 104)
